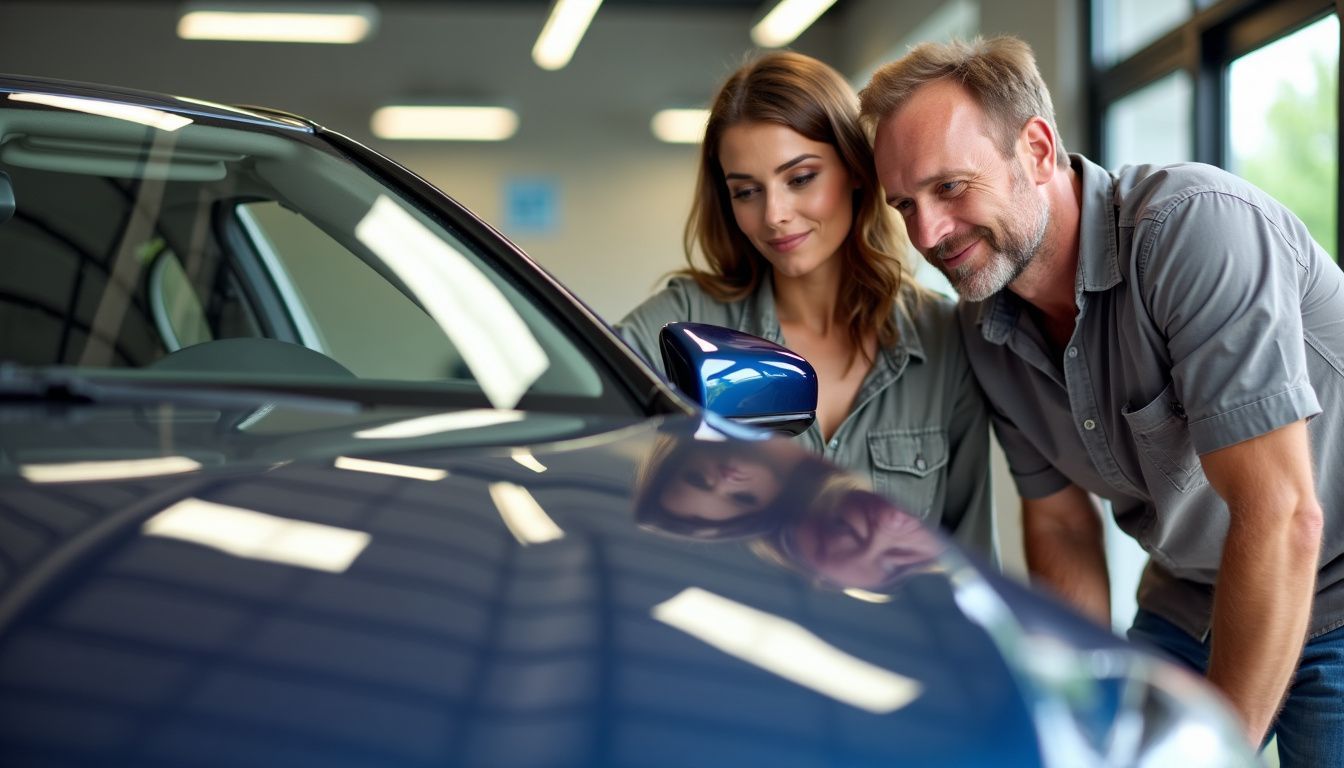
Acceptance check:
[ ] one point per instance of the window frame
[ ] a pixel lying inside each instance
(1205, 45)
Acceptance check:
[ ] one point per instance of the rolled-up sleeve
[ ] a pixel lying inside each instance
(1220, 278)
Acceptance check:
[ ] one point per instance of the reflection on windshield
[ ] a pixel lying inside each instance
(115, 469)
(466, 305)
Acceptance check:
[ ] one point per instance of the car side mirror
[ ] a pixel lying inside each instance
(741, 377)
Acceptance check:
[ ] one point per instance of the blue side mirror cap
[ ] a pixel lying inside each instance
(741, 377)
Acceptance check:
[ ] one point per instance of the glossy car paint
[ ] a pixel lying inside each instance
(447, 641)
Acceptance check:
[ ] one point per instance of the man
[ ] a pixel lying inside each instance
(1170, 339)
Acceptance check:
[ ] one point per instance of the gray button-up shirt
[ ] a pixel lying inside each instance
(1206, 316)
(919, 427)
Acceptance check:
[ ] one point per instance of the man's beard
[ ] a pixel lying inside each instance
(1010, 251)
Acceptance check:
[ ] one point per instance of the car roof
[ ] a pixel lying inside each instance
(254, 115)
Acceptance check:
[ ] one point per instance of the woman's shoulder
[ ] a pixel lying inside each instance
(683, 299)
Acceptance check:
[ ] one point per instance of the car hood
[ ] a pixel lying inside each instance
(318, 597)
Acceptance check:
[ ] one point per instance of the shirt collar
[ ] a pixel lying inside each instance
(1098, 256)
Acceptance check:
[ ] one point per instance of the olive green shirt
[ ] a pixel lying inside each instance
(919, 426)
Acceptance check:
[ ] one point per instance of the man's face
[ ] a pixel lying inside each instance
(974, 213)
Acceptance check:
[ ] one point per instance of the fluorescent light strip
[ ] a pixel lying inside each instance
(474, 418)
(787, 21)
(444, 123)
(259, 536)
(680, 126)
(394, 470)
(525, 457)
(564, 29)
(786, 649)
(121, 469)
(277, 26)
(525, 518)
(154, 118)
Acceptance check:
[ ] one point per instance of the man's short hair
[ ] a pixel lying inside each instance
(999, 73)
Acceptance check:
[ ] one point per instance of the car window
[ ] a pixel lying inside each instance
(140, 246)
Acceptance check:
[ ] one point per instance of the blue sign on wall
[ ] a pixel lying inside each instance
(531, 206)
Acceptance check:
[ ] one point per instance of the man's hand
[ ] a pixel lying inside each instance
(1063, 538)
(1267, 578)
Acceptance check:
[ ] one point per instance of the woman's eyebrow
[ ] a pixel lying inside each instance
(784, 166)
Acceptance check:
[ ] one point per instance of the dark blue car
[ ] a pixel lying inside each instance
(302, 464)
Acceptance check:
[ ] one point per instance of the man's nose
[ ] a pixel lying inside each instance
(928, 228)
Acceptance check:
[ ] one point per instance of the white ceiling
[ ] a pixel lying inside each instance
(638, 56)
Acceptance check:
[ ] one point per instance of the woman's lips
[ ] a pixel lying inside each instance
(786, 244)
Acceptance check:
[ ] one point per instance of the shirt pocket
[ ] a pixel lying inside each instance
(908, 466)
(1163, 438)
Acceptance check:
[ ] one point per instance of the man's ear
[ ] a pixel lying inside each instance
(1036, 147)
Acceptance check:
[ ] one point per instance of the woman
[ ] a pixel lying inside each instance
(800, 248)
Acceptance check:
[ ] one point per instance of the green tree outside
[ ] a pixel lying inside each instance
(1298, 162)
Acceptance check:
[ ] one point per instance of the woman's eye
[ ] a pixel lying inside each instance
(803, 180)
(744, 193)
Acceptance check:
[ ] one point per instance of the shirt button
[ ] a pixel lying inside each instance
(1073, 351)
(1089, 425)
(833, 444)
(919, 464)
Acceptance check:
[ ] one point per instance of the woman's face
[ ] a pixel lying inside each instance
(864, 542)
(791, 196)
(715, 486)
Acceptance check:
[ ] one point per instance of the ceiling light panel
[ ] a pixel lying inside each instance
(680, 126)
(445, 123)
(787, 20)
(261, 22)
(564, 29)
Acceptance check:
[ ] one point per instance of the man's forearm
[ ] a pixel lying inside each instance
(1064, 546)
(1267, 576)
(1262, 605)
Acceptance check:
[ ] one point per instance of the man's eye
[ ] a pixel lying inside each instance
(950, 187)
(904, 207)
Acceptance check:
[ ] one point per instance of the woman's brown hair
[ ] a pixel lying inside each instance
(812, 99)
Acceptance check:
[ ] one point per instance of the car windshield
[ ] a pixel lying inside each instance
(143, 245)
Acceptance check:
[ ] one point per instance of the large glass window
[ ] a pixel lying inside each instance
(1126, 26)
(1151, 125)
(1283, 123)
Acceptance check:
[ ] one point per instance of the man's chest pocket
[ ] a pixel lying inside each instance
(908, 466)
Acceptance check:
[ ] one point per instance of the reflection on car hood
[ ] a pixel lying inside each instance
(326, 599)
